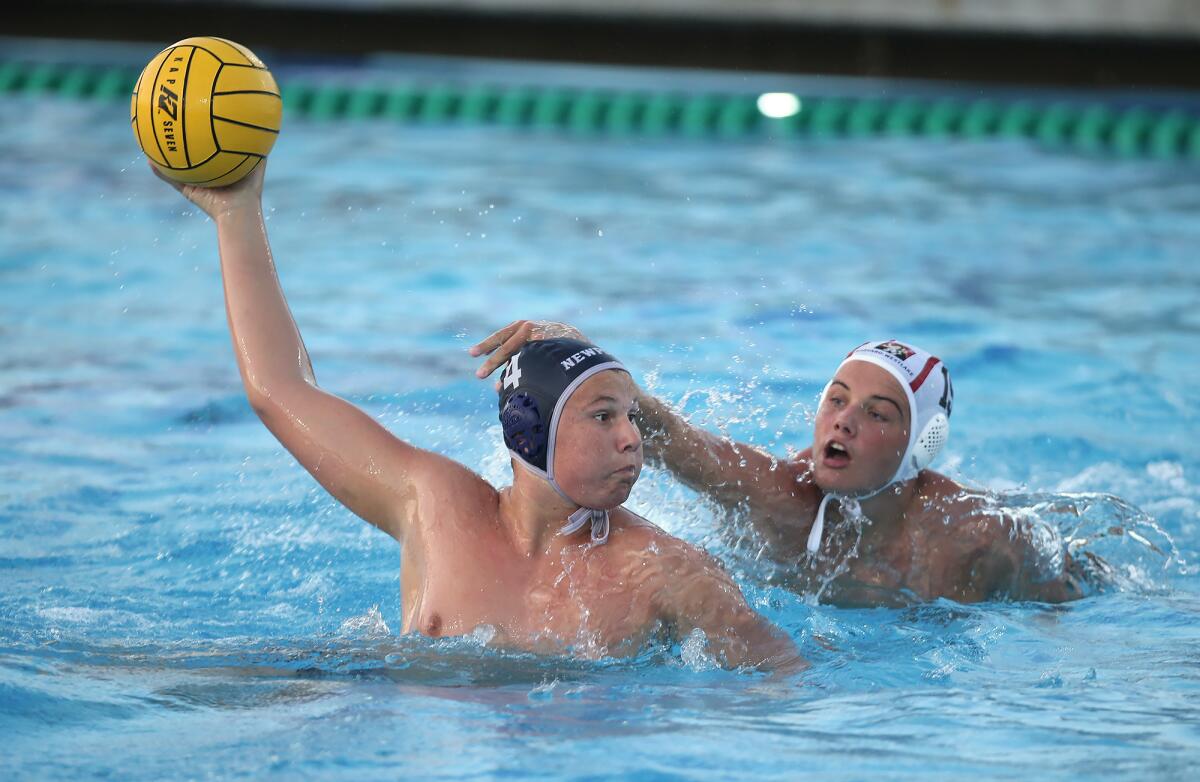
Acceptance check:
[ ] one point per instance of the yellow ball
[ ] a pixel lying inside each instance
(206, 111)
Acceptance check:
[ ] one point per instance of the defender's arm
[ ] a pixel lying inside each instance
(1013, 566)
(731, 473)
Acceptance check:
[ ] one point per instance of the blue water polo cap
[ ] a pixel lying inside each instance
(534, 388)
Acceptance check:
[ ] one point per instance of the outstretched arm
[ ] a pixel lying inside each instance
(731, 473)
(356, 459)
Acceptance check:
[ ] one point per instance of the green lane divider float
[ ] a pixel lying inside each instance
(1090, 128)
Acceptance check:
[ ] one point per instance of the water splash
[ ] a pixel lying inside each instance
(694, 652)
(369, 625)
(1118, 545)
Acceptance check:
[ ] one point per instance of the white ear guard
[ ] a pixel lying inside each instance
(930, 441)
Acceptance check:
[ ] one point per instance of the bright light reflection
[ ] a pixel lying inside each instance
(778, 104)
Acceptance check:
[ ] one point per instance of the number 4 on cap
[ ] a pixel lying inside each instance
(512, 373)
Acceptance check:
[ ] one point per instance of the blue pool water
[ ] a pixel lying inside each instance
(178, 599)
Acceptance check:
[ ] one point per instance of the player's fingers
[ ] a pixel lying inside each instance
(177, 185)
(503, 353)
(495, 339)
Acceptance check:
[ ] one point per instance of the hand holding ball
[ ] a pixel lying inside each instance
(206, 111)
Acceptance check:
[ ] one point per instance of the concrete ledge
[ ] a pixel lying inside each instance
(882, 38)
(1170, 19)
(1152, 18)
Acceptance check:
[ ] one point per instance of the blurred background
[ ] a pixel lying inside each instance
(1103, 43)
(729, 194)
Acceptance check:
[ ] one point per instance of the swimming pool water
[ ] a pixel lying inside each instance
(179, 599)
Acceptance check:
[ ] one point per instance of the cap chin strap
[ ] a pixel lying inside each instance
(848, 501)
(598, 518)
(917, 458)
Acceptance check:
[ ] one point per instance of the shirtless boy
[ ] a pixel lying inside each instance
(553, 563)
(857, 517)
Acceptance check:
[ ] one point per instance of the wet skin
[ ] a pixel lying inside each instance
(483, 557)
(926, 538)
(474, 556)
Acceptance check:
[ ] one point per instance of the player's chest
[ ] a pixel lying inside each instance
(546, 607)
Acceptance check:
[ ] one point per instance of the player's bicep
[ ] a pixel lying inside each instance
(1032, 568)
(992, 573)
(1059, 585)
(363, 465)
(702, 596)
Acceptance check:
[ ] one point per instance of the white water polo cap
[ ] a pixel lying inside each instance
(535, 386)
(930, 395)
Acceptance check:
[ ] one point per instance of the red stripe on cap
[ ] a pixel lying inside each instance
(920, 379)
(860, 347)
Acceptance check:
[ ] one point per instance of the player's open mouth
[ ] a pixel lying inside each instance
(836, 454)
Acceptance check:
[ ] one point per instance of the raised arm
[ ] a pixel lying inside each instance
(355, 458)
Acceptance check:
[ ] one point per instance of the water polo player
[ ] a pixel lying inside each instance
(859, 513)
(551, 564)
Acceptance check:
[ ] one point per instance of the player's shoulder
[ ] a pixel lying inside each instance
(960, 511)
(636, 536)
(634, 532)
